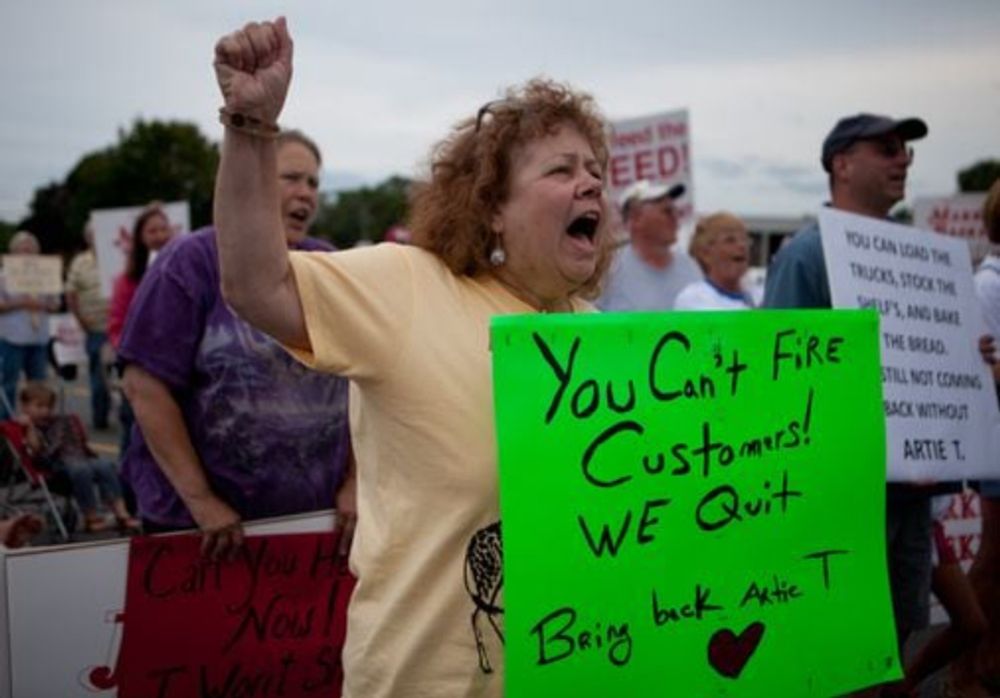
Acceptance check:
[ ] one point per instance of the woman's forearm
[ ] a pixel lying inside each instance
(248, 220)
(253, 67)
(159, 416)
(166, 434)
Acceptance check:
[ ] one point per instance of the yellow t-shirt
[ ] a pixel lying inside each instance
(414, 340)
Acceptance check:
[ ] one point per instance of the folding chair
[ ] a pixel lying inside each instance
(26, 487)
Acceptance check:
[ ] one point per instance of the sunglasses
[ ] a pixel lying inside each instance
(890, 148)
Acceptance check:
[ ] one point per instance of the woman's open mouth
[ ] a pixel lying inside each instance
(584, 226)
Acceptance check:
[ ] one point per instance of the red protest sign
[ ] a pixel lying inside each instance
(271, 622)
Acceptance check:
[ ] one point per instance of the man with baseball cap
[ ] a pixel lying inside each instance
(859, 127)
(867, 158)
(648, 272)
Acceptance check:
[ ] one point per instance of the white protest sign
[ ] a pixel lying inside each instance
(60, 626)
(959, 216)
(941, 412)
(657, 148)
(33, 274)
(113, 236)
(69, 341)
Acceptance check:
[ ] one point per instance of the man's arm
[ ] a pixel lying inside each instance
(987, 349)
(796, 277)
(73, 303)
(159, 416)
(9, 305)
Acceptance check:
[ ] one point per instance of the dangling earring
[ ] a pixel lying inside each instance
(497, 255)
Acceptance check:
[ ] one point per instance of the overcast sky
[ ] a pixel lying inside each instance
(378, 83)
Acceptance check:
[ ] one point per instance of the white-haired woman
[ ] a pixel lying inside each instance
(24, 327)
(721, 247)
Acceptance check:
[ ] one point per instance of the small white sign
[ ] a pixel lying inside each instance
(113, 237)
(69, 340)
(33, 274)
(942, 421)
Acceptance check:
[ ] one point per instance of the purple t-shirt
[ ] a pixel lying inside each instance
(271, 434)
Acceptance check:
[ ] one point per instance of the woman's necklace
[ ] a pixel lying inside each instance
(560, 305)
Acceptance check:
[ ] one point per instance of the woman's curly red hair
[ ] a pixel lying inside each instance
(450, 212)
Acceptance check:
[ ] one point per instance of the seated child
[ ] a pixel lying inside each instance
(59, 443)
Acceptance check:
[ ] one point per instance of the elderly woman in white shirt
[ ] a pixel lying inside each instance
(24, 327)
(721, 247)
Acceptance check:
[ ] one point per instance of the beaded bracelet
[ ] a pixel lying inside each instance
(250, 125)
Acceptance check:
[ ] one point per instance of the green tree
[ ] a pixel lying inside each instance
(153, 160)
(48, 219)
(7, 230)
(363, 214)
(979, 176)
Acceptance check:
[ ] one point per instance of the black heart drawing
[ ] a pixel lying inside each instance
(728, 653)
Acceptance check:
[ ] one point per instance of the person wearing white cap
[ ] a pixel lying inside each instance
(649, 270)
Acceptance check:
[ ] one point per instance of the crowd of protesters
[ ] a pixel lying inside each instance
(237, 344)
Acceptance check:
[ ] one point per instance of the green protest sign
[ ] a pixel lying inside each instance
(693, 504)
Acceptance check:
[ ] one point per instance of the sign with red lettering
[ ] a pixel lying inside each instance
(656, 148)
(959, 216)
(271, 622)
(961, 517)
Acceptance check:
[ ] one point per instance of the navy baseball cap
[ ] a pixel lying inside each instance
(860, 126)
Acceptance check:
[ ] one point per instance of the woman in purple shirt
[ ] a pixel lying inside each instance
(230, 427)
